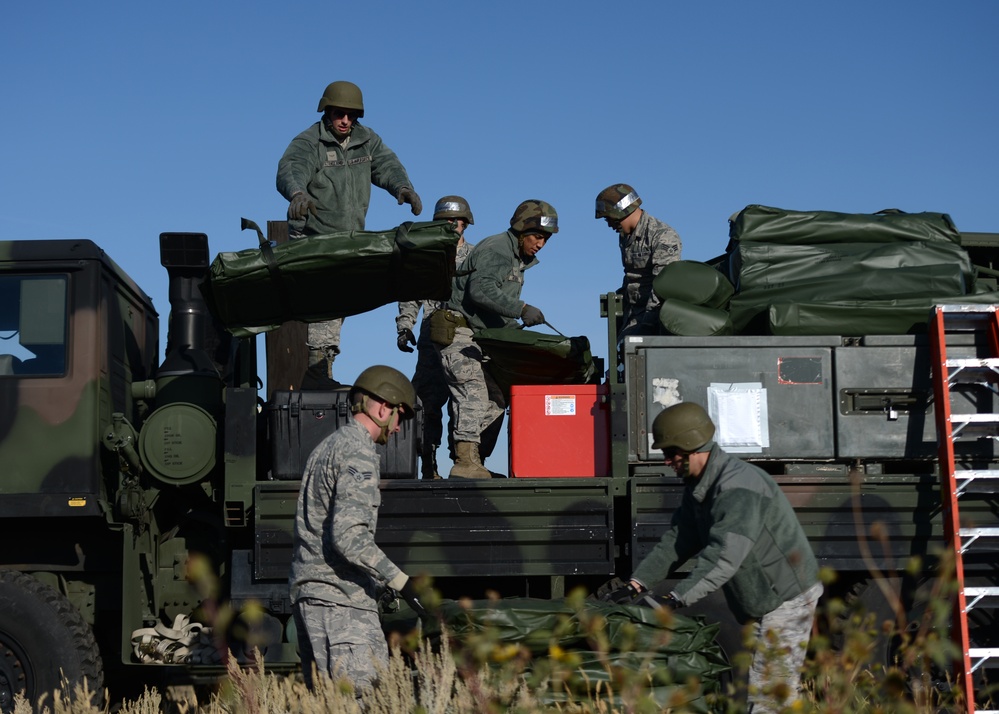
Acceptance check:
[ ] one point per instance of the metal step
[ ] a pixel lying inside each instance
(970, 535)
(966, 479)
(968, 311)
(983, 371)
(976, 426)
(982, 655)
(973, 596)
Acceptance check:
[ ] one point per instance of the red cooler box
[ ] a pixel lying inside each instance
(559, 430)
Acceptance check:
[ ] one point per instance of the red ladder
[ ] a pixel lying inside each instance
(955, 481)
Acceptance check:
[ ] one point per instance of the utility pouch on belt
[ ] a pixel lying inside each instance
(443, 323)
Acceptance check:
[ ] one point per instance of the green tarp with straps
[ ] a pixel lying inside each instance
(323, 277)
(823, 272)
(665, 652)
(517, 356)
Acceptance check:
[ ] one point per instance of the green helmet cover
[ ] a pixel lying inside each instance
(390, 385)
(345, 95)
(685, 426)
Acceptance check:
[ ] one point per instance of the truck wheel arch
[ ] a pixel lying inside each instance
(43, 640)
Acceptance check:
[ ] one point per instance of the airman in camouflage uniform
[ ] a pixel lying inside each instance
(486, 293)
(428, 379)
(337, 569)
(739, 528)
(647, 245)
(326, 173)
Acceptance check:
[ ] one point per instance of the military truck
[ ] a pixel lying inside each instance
(138, 495)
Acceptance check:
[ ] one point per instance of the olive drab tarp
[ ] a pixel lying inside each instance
(679, 317)
(322, 277)
(695, 299)
(764, 224)
(670, 651)
(517, 356)
(873, 317)
(694, 283)
(822, 272)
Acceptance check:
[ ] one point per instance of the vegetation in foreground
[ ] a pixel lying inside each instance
(481, 672)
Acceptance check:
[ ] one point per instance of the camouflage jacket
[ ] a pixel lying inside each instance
(644, 253)
(335, 558)
(745, 536)
(338, 179)
(492, 276)
(408, 311)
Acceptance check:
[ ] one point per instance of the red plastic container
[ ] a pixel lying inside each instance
(560, 430)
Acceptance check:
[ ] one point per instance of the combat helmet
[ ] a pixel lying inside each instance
(453, 207)
(534, 216)
(345, 95)
(685, 426)
(390, 385)
(617, 202)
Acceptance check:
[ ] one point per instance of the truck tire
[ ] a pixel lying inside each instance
(43, 639)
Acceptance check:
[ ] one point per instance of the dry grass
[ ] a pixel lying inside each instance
(483, 675)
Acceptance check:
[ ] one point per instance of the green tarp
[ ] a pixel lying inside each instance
(517, 356)
(681, 318)
(874, 317)
(822, 272)
(693, 282)
(765, 224)
(763, 265)
(328, 276)
(638, 640)
(855, 286)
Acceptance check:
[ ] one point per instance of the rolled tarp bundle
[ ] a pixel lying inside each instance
(786, 265)
(695, 297)
(684, 319)
(671, 653)
(693, 282)
(518, 356)
(323, 277)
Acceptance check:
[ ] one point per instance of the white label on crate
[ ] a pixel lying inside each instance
(740, 412)
(560, 405)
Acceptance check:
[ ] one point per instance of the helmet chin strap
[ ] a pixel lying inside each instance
(383, 424)
(684, 471)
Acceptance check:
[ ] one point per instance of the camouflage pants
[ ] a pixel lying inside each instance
(639, 322)
(340, 642)
(324, 340)
(470, 387)
(431, 386)
(782, 637)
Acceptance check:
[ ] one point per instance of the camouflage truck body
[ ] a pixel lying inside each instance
(134, 491)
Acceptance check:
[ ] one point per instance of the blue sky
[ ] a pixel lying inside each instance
(122, 120)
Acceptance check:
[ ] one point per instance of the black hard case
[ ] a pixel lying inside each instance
(299, 420)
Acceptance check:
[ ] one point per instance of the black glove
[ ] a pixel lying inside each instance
(408, 195)
(301, 205)
(408, 593)
(405, 339)
(531, 315)
(623, 596)
(671, 601)
(648, 599)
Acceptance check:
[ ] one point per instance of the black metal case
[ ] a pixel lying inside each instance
(299, 420)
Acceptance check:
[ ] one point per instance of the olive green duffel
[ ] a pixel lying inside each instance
(323, 277)
(693, 282)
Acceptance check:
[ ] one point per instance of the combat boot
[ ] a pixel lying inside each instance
(467, 463)
(319, 375)
(428, 462)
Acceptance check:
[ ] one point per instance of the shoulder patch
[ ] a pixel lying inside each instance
(359, 476)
